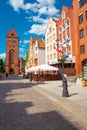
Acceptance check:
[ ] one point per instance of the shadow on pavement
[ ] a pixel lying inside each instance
(17, 115)
(73, 94)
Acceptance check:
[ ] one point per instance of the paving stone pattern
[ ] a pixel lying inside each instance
(22, 107)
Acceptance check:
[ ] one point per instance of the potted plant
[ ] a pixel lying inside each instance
(83, 80)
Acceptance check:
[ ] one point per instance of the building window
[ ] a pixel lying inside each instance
(81, 33)
(12, 34)
(47, 40)
(53, 36)
(47, 57)
(50, 29)
(50, 56)
(86, 14)
(60, 30)
(68, 24)
(63, 15)
(82, 2)
(69, 50)
(50, 47)
(82, 49)
(64, 39)
(81, 18)
(54, 55)
(60, 41)
(68, 36)
(47, 49)
(64, 28)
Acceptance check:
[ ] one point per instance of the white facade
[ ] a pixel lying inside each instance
(39, 53)
(41, 56)
(50, 41)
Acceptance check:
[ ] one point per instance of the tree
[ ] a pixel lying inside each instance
(27, 57)
(2, 66)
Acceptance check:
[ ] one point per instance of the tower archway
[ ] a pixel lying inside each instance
(12, 71)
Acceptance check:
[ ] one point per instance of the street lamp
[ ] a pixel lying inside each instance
(64, 81)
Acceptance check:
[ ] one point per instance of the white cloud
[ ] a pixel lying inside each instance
(20, 41)
(16, 4)
(25, 33)
(47, 7)
(23, 46)
(48, 10)
(43, 10)
(52, 11)
(26, 41)
(46, 2)
(42, 6)
(38, 29)
(39, 8)
(21, 49)
(31, 7)
(23, 56)
(3, 56)
(37, 19)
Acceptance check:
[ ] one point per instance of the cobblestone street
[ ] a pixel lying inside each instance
(22, 107)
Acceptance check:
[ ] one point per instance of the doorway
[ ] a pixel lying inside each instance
(11, 71)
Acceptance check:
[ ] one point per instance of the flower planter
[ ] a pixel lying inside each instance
(83, 83)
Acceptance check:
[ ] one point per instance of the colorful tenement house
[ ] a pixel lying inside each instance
(12, 58)
(65, 34)
(36, 52)
(59, 37)
(80, 35)
(50, 37)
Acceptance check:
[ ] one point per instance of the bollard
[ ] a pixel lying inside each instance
(65, 89)
(30, 77)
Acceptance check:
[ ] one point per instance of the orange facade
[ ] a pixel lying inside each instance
(12, 40)
(80, 35)
(36, 44)
(64, 32)
(75, 33)
(21, 65)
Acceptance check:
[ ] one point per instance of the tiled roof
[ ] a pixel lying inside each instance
(41, 43)
(12, 33)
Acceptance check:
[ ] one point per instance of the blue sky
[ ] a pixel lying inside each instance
(29, 18)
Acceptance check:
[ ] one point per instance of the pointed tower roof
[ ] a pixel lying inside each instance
(12, 33)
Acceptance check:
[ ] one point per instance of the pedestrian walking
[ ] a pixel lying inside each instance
(6, 75)
(0, 75)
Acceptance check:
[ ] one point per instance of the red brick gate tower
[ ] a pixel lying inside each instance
(12, 40)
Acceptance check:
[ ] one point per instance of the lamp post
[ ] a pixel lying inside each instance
(64, 81)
